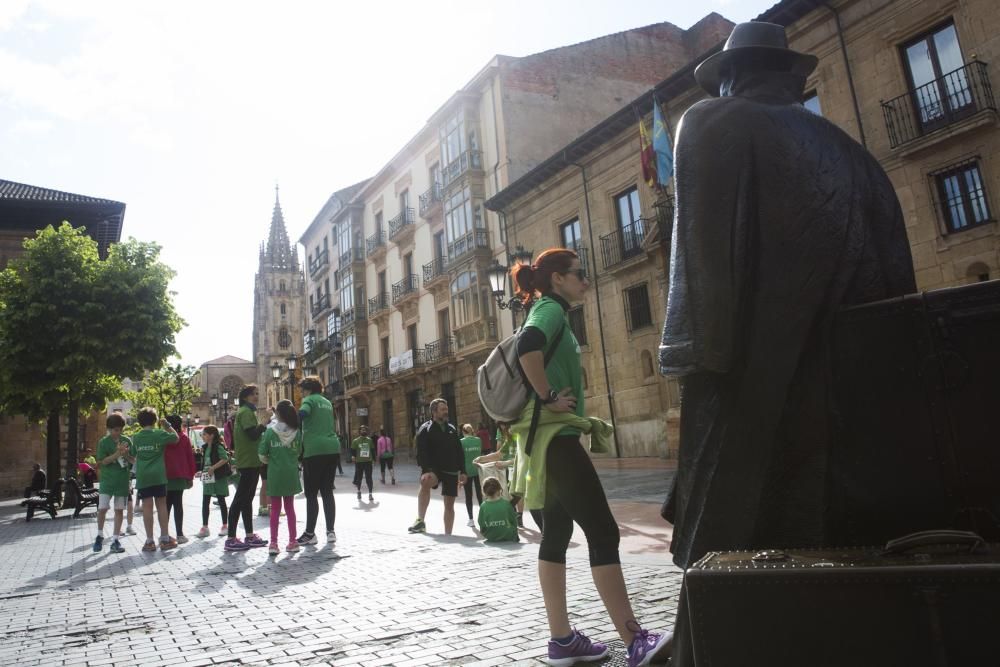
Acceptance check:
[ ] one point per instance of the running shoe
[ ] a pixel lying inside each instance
(418, 526)
(254, 541)
(234, 544)
(371, 498)
(168, 544)
(129, 530)
(264, 511)
(273, 549)
(149, 546)
(204, 532)
(224, 530)
(470, 523)
(98, 543)
(331, 536)
(578, 649)
(647, 646)
(292, 547)
(307, 538)
(117, 548)
(182, 539)
(359, 494)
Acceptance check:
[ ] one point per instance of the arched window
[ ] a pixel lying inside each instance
(282, 309)
(284, 338)
(282, 286)
(977, 272)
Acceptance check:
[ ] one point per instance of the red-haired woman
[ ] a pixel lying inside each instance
(573, 491)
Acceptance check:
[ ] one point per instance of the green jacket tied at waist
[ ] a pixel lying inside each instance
(529, 471)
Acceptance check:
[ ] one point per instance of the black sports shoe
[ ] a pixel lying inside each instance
(307, 538)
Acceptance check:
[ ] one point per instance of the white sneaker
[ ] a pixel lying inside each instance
(331, 536)
(129, 530)
(204, 532)
(182, 539)
(224, 531)
(470, 523)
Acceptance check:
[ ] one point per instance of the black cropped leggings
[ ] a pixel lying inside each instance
(317, 478)
(573, 493)
(206, 505)
(175, 504)
(469, 482)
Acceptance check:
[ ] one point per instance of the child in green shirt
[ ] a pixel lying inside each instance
(279, 450)
(115, 464)
(151, 474)
(497, 521)
(472, 446)
(364, 454)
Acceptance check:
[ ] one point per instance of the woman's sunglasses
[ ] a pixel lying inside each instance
(581, 273)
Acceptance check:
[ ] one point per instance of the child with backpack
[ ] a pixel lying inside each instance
(279, 449)
(214, 479)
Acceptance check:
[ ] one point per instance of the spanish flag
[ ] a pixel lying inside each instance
(646, 155)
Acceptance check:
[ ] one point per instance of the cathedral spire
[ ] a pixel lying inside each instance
(278, 253)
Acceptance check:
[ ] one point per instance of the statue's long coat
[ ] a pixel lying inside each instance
(781, 219)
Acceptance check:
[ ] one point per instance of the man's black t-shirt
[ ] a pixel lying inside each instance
(439, 448)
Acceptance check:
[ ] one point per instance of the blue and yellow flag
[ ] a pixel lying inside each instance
(661, 146)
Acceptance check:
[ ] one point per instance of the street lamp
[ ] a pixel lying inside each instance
(215, 405)
(276, 371)
(292, 362)
(225, 406)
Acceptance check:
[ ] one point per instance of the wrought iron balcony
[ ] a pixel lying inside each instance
(406, 287)
(378, 373)
(322, 259)
(320, 305)
(435, 270)
(430, 200)
(584, 254)
(477, 332)
(460, 165)
(351, 317)
(477, 239)
(334, 389)
(375, 243)
(334, 343)
(378, 304)
(356, 379)
(354, 254)
(401, 223)
(623, 244)
(440, 350)
(938, 104)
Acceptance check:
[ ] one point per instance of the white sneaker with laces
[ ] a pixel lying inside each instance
(470, 523)
(331, 536)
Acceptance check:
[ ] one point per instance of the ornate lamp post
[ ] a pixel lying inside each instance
(276, 371)
(498, 282)
(292, 362)
(215, 405)
(225, 406)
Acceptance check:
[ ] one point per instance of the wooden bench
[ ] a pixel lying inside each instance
(46, 501)
(85, 496)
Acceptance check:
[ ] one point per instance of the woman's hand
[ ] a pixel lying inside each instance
(566, 402)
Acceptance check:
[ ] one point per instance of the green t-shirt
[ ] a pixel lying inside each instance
(364, 449)
(319, 427)
(564, 369)
(147, 448)
(114, 475)
(497, 521)
(282, 462)
(244, 446)
(473, 448)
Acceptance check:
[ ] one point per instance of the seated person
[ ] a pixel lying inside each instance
(497, 520)
(37, 481)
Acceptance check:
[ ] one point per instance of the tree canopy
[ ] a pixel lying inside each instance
(169, 389)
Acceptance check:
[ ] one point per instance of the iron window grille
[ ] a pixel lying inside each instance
(637, 311)
(578, 325)
(961, 195)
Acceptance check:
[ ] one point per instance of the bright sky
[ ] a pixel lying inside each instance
(190, 112)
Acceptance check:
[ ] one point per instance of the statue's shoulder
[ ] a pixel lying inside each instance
(710, 119)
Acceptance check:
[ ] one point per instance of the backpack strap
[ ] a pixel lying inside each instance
(536, 413)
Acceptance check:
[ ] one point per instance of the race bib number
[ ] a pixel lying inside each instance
(364, 453)
(208, 477)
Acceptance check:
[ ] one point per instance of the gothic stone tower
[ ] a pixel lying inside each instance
(278, 315)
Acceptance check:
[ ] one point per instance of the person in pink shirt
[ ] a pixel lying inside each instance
(385, 455)
(178, 458)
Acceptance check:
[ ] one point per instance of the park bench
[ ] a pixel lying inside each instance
(85, 496)
(45, 500)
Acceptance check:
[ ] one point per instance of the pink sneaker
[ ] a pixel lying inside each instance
(273, 549)
(292, 547)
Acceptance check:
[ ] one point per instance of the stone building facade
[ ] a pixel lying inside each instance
(908, 79)
(278, 311)
(222, 379)
(410, 294)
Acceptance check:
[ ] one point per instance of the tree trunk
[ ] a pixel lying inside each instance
(52, 463)
(73, 439)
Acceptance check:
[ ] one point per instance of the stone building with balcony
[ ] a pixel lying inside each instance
(421, 317)
(322, 343)
(278, 309)
(917, 93)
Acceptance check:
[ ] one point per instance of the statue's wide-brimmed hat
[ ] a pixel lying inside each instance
(755, 36)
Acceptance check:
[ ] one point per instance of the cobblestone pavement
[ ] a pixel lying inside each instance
(378, 597)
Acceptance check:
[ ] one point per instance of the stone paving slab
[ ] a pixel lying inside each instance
(378, 597)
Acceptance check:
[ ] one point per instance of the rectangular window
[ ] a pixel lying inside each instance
(569, 234)
(333, 323)
(578, 325)
(811, 102)
(350, 357)
(378, 221)
(637, 312)
(939, 83)
(411, 336)
(962, 195)
(404, 200)
(630, 223)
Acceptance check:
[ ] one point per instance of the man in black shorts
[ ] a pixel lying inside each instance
(442, 462)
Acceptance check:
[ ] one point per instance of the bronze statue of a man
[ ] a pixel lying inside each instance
(781, 219)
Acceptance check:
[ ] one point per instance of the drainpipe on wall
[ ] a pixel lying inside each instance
(597, 294)
(850, 77)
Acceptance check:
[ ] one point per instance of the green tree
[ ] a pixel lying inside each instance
(72, 326)
(169, 389)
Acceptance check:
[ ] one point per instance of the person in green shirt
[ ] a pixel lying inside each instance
(321, 452)
(280, 449)
(364, 453)
(497, 522)
(247, 431)
(215, 462)
(115, 463)
(473, 448)
(151, 474)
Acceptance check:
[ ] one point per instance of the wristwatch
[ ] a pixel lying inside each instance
(552, 397)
